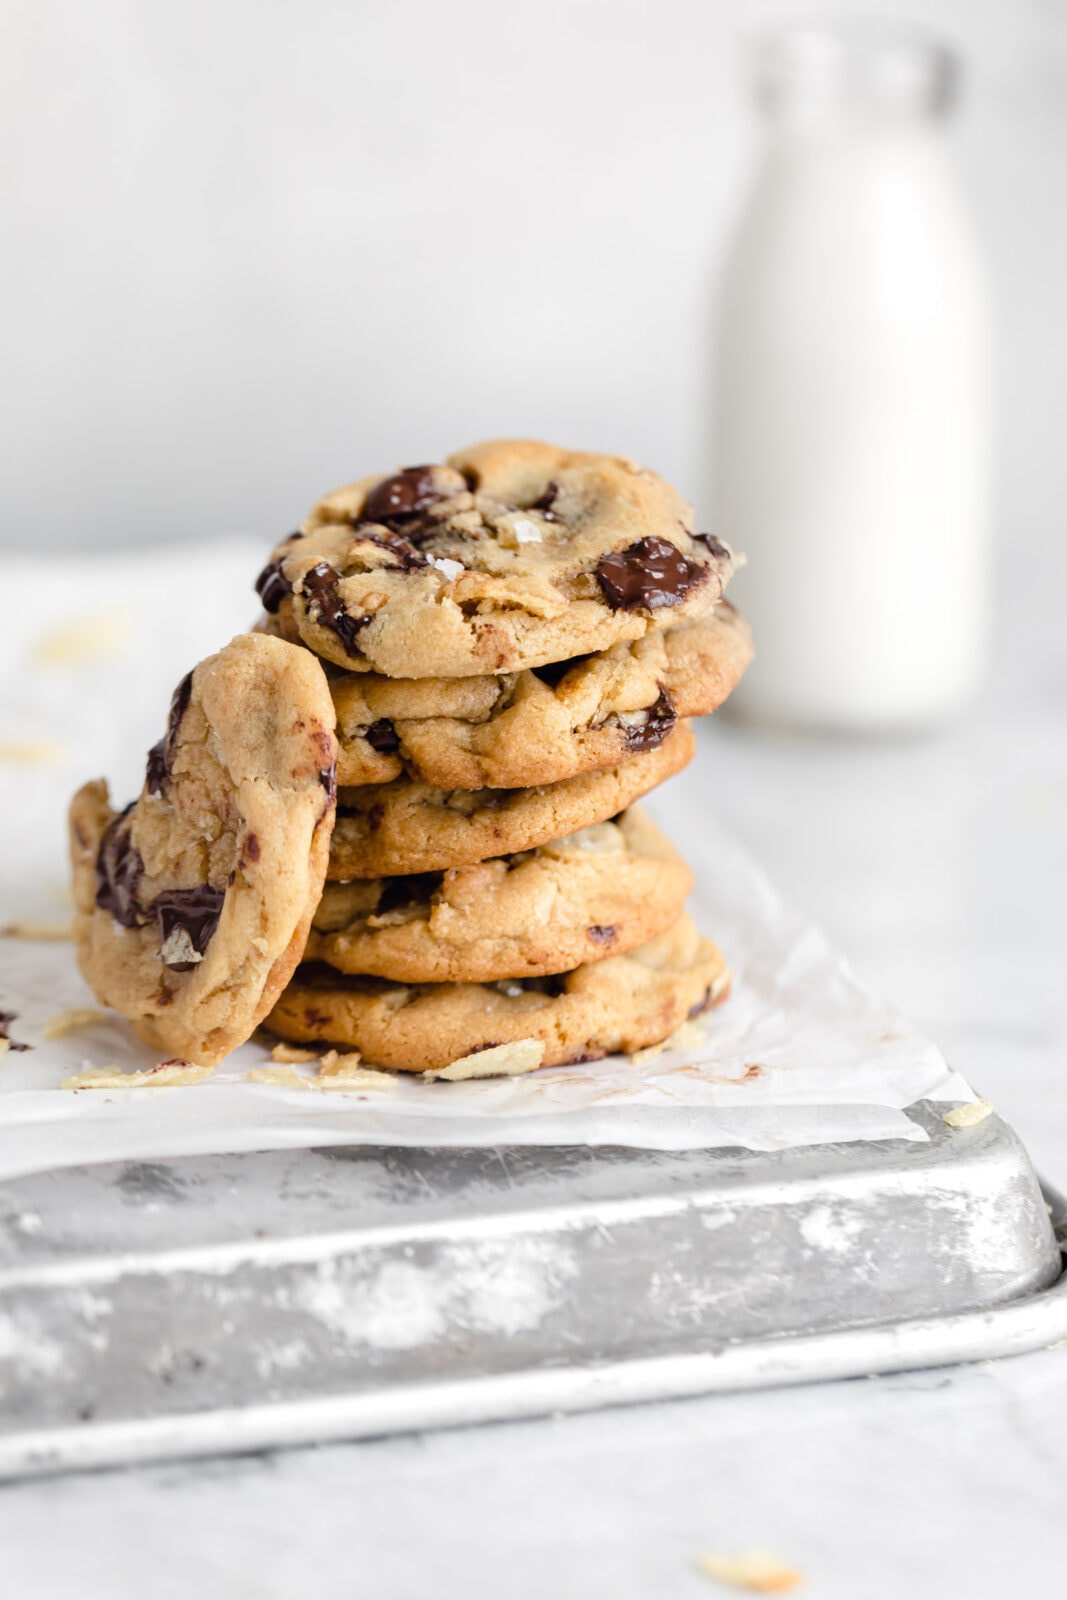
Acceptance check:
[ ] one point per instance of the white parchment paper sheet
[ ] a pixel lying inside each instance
(802, 1052)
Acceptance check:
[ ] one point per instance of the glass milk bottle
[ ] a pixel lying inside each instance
(852, 392)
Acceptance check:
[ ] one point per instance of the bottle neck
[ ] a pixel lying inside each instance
(853, 80)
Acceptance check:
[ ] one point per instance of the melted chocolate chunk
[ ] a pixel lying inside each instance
(320, 587)
(382, 736)
(553, 672)
(194, 912)
(161, 756)
(646, 575)
(716, 546)
(6, 1019)
(545, 501)
(404, 495)
(400, 545)
(328, 779)
(660, 718)
(601, 934)
(119, 870)
(271, 587)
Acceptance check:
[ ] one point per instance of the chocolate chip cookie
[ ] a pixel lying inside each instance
(193, 904)
(543, 724)
(393, 829)
(621, 1003)
(596, 893)
(507, 556)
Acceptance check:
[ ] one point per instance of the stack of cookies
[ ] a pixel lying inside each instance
(493, 659)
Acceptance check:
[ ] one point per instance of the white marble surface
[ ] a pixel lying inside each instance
(939, 865)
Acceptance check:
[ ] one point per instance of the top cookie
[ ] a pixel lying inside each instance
(510, 555)
(193, 904)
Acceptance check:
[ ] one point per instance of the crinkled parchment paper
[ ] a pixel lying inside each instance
(802, 1052)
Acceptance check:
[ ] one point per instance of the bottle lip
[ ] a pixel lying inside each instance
(819, 70)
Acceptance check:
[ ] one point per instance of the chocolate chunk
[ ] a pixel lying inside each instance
(320, 587)
(586, 1055)
(553, 672)
(161, 756)
(545, 501)
(701, 1005)
(328, 779)
(646, 575)
(400, 546)
(250, 850)
(659, 719)
(271, 586)
(716, 546)
(6, 1019)
(382, 736)
(404, 495)
(601, 935)
(119, 870)
(192, 912)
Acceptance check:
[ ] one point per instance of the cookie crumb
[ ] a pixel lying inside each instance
(336, 1076)
(335, 1063)
(69, 1021)
(499, 1061)
(29, 752)
(687, 1037)
(292, 1055)
(99, 637)
(173, 1074)
(968, 1116)
(43, 931)
(757, 1572)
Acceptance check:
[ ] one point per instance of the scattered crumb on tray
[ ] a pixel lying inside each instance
(757, 1572)
(291, 1054)
(174, 1074)
(6, 1041)
(101, 636)
(337, 1072)
(968, 1116)
(29, 752)
(70, 1021)
(498, 1061)
(687, 1037)
(43, 931)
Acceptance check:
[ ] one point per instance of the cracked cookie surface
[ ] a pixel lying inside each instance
(596, 893)
(622, 1003)
(385, 830)
(193, 904)
(544, 724)
(509, 555)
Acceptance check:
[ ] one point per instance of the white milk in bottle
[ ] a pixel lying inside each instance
(852, 392)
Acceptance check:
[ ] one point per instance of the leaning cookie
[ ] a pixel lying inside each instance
(193, 904)
(510, 555)
(390, 829)
(591, 895)
(622, 1003)
(544, 724)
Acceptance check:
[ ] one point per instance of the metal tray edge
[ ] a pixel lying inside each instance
(1033, 1322)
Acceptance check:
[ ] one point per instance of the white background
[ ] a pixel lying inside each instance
(253, 248)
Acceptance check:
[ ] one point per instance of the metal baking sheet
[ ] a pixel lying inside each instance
(230, 1303)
